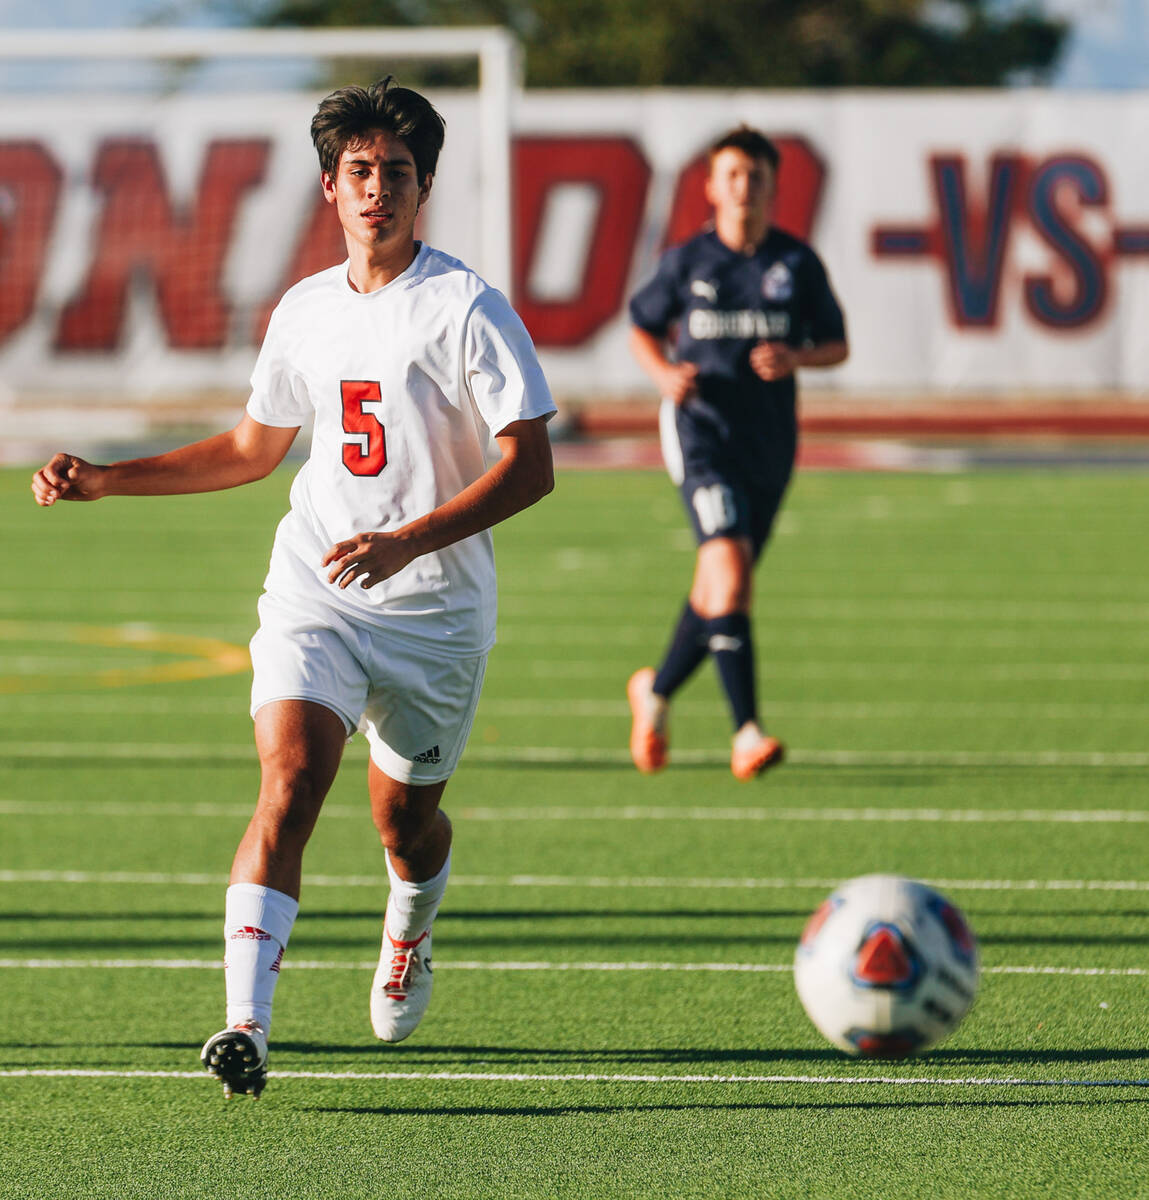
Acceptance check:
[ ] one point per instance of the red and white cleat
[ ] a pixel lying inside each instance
(401, 989)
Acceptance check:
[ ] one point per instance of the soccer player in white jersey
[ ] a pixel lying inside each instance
(430, 414)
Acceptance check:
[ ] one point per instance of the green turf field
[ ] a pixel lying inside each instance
(960, 665)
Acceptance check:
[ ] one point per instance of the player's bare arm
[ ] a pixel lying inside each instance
(523, 475)
(776, 360)
(675, 381)
(244, 454)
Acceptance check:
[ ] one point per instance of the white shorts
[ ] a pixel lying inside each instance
(415, 709)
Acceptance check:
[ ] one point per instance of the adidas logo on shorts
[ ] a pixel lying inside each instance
(428, 756)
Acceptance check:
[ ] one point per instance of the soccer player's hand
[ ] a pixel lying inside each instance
(368, 557)
(772, 360)
(66, 477)
(679, 381)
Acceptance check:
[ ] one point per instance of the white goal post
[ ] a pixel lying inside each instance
(496, 51)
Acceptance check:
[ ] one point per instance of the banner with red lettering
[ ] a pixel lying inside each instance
(978, 242)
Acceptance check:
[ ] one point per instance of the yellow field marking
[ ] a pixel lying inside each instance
(200, 657)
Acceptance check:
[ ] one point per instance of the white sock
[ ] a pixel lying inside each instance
(748, 736)
(412, 906)
(657, 710)
(256, 927)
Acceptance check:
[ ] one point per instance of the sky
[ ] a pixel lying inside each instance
(1109, 45)
(1107, 49)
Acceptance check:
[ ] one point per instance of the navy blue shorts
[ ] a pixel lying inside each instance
(723, 498)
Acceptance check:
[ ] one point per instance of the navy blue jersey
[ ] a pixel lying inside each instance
(714, 305)
(730, 447)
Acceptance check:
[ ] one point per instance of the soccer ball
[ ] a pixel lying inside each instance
(886, 967)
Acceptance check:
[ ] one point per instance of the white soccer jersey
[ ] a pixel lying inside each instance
(409, 386)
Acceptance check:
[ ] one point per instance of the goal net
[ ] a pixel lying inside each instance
(159, 193)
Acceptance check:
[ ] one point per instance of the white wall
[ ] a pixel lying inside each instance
(1045, 288)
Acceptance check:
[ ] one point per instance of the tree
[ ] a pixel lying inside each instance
(726, 43)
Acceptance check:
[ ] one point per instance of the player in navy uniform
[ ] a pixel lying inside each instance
(721, 329)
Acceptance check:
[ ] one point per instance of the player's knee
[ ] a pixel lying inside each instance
(403, 825)
(722, 581)
(720, 601)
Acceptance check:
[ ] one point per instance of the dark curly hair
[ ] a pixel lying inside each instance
(349, 115)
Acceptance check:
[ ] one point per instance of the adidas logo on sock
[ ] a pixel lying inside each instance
(248, 933)
(428, 756)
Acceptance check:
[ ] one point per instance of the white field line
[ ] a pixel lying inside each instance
(869, 633)
(575, 611)
(29, 664)
(835, 669)
(831, 711)
(864, 610)
(796, 612)
(587, 1077)
(721, 968)
(598, 882)
(960, 816)
(863, 710)
(37, 656)
(980, 646)
(521, 611)
(857, 634)
(625, 812)
(568, 756)
(574, 756)
(933, 668)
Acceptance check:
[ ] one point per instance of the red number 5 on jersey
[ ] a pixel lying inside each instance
(365, 451)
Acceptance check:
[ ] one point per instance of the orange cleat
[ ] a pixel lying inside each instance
(648, 744)
(748, 762)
